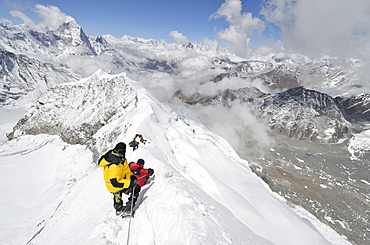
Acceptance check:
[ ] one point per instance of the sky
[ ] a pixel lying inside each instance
(339, 28)
(138, 18)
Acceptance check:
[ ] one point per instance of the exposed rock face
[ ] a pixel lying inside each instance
(306, 114)
(278, 77)
(357, 107)
(227, 97)
(298, 113)
(20, 75)
(112, 97)
(281, 78)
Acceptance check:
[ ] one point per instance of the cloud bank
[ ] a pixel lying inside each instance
(245, 133)
(241, 26)
(180, 38)
(340, 28)
(51, 17)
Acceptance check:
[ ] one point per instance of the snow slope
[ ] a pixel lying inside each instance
(53, 192)
(359, 145)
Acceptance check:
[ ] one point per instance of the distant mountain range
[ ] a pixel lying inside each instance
(33, 61)
(298, 112)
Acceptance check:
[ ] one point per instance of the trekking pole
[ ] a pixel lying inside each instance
(129, 223)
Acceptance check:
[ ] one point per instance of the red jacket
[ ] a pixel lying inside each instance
(142, 174)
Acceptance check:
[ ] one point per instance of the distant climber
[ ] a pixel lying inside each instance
(142, 175)
(135, 144)
(117, 174)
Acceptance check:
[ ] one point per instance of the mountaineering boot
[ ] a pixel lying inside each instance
(127, 214)
(120, 211)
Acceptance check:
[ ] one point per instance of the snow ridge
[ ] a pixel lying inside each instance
(203, 192)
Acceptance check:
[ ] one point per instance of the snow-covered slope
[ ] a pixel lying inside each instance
(203, 192)
(22, 77)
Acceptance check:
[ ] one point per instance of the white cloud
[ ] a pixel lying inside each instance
(51, 17)
(279, 12)
(334, 27)
(211, 44)
(242, 26)
(26, 20)
(7, 21)
(237, 124)
(236, 39)
(181, 39)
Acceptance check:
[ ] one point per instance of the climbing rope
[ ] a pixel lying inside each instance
(129, 223)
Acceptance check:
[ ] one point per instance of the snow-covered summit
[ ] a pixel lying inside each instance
(203, 192)
(67, 39)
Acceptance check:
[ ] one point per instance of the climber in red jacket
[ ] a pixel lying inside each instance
(142, 174)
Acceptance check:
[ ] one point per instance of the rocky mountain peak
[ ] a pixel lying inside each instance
(299, 113)
(306, 114)
(21, 75)
(67, 39)
(357, 107)
(305, 97)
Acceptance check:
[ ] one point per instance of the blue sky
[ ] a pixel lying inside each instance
(138, 18)
(333, 27)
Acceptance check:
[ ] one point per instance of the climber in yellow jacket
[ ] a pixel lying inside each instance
(117, 174)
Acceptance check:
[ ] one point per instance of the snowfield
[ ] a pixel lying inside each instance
(359, 145)
(53, 192)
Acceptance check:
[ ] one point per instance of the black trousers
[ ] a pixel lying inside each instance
(134, 195)
(117, 199)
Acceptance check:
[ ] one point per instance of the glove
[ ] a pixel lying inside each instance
(150, 172)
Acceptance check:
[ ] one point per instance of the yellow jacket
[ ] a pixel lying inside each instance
(117, 173)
